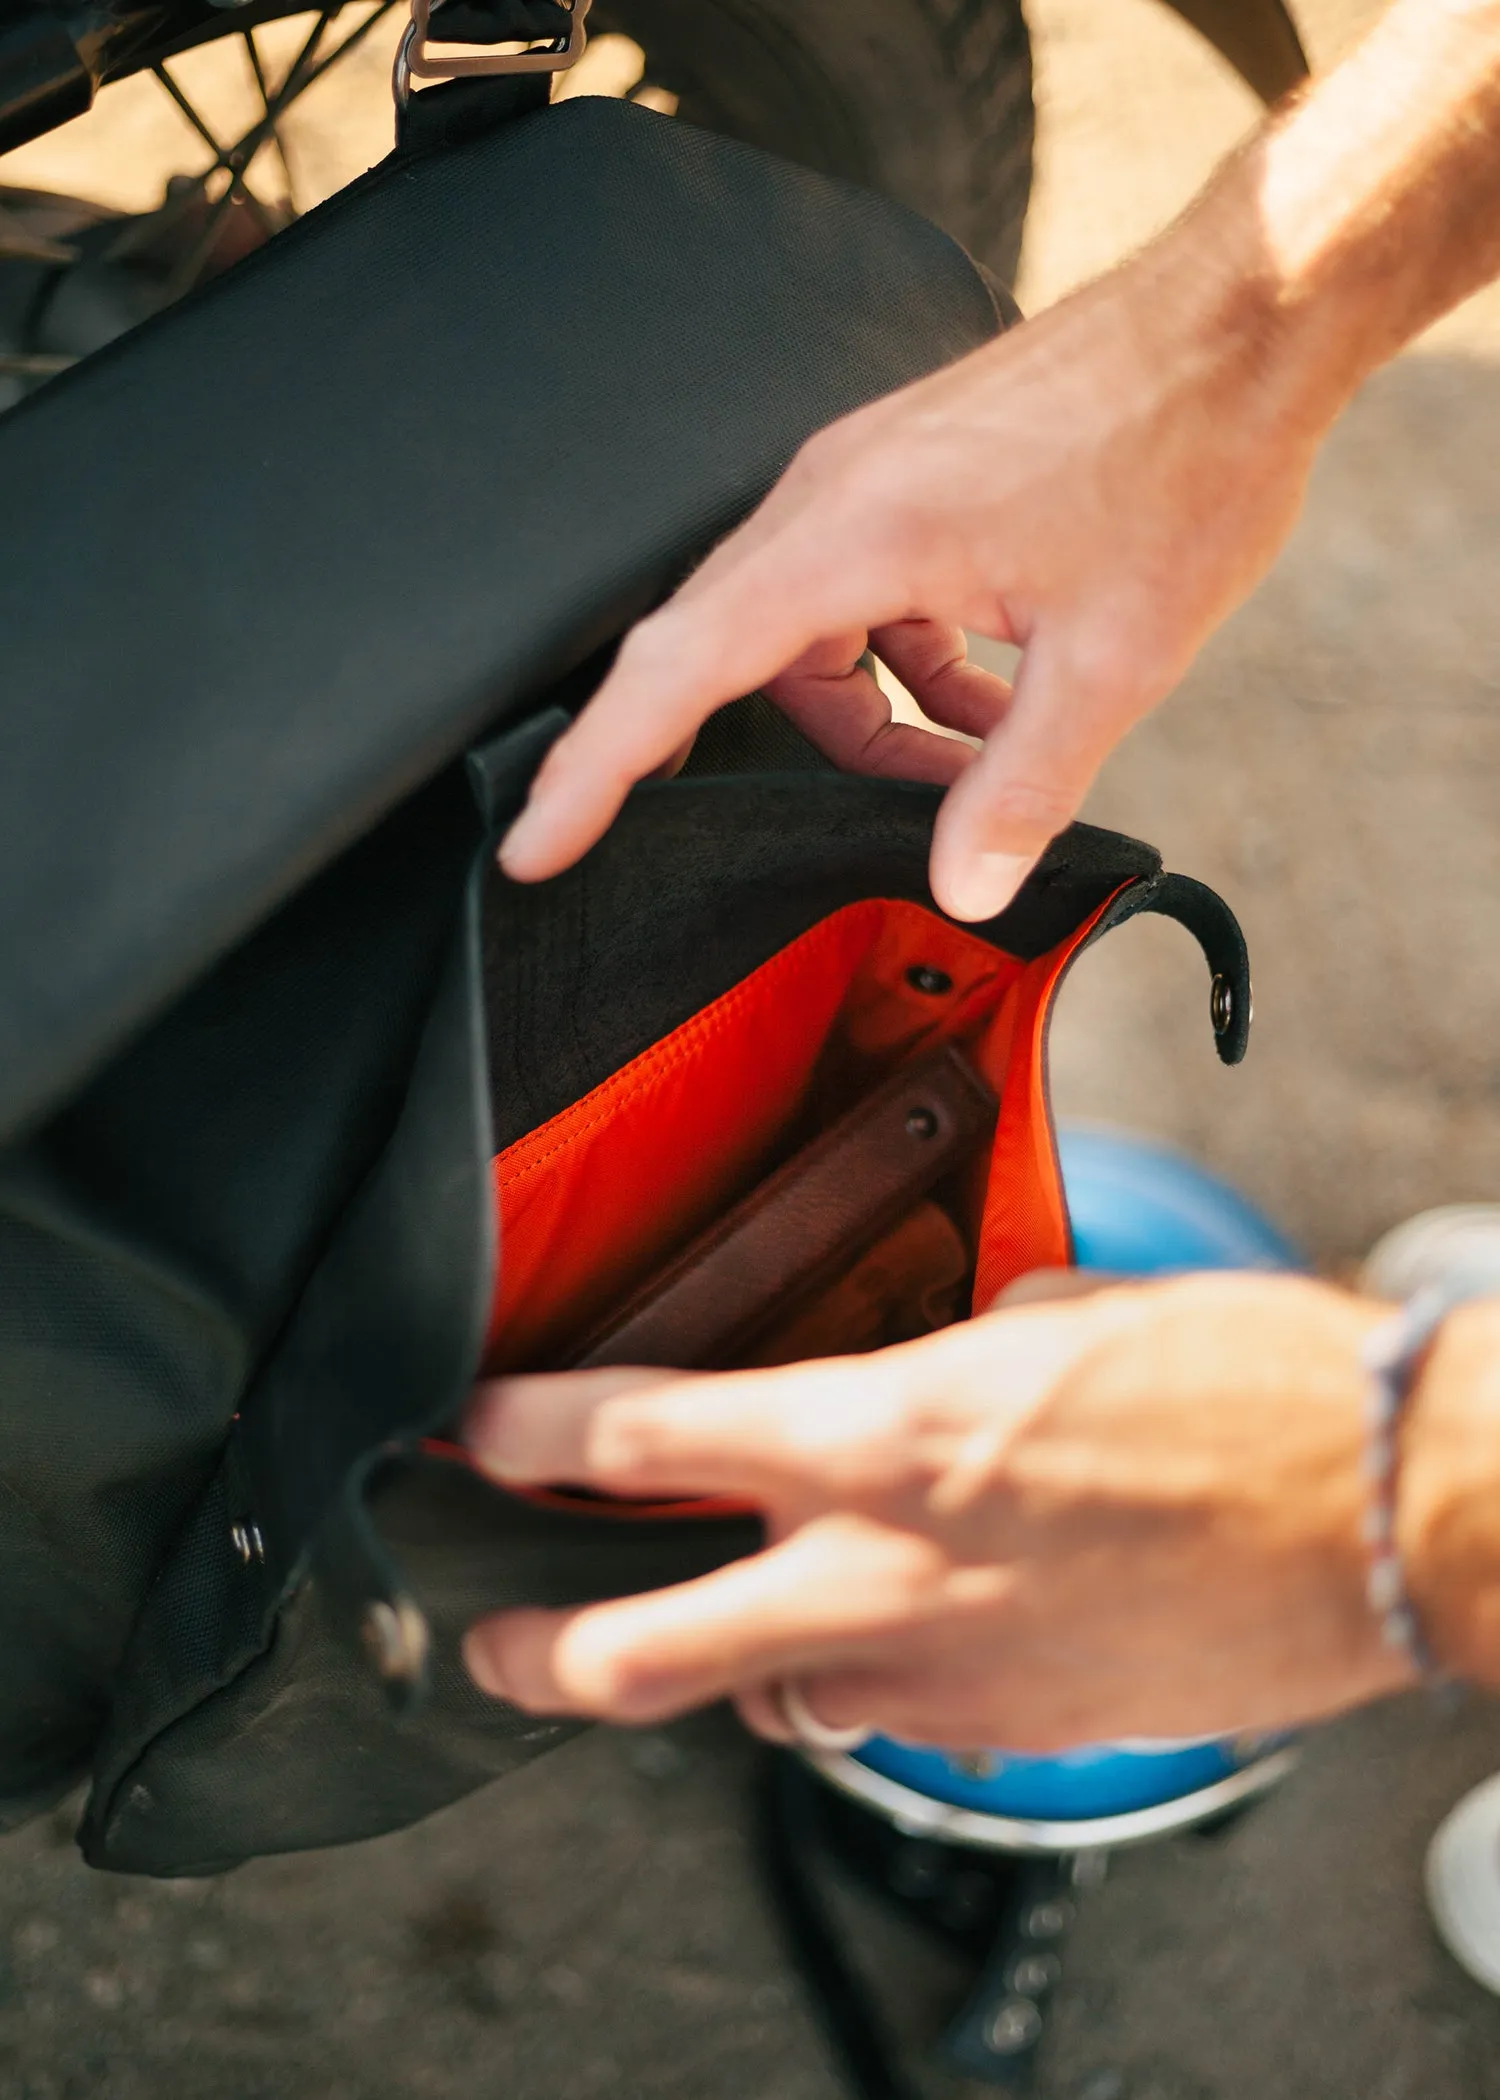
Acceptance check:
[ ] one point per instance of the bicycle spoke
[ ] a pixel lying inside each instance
(190, 267)
(355, 36)
(252, 52)
(191, 219)
(234, 159)
(302, 73)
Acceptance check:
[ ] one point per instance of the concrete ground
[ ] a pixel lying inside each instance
(593, 1927)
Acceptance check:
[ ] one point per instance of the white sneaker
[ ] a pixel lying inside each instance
(1462, 1240)
(1463, 1882)
(1463, 1860)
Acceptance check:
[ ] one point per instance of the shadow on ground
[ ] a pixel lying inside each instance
(593, 1930)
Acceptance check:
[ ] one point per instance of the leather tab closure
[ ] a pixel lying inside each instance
(1215, 928)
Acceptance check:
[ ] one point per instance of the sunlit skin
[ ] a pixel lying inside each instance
(1101, 486)
(1136, 1513)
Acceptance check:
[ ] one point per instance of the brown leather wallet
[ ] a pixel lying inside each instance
(912, 1281)
(806, 1225)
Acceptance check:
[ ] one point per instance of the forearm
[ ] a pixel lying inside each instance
(1360, 213)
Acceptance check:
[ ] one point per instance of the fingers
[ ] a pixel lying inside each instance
(931, 659)
(831, 696)
(901, 1427)
(762, 599)
(833, 1430)
(1051, 1286)
(536, 1428)
(843, 1589)
(1027, 783)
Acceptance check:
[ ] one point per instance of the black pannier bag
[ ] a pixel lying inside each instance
(299, 581)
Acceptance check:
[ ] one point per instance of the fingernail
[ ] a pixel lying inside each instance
(482, 1427)
(529, 829)
(482, 1665)
(984, 884)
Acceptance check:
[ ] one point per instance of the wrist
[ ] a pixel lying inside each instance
(1239, 1403)
(1366, 207)
(1448, 1508)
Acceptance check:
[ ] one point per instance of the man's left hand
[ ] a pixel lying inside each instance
(1135, 1514)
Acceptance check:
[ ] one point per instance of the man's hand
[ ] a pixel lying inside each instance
(1091, 487)
(1100, 487)
(1138, 1514)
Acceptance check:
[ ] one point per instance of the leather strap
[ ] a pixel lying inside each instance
(1217, 931)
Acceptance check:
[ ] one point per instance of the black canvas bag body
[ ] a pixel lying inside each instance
(300, 581)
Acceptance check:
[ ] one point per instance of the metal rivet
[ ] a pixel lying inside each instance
(1034, 1973)
(1221, 1004)
(1046, 1921)
(921, 1123)
(923, 977)
(247, 1542)
(1090, 1869)
(1013, 2026)
(395, 1638)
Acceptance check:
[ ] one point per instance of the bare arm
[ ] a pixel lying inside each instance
(1102, 486)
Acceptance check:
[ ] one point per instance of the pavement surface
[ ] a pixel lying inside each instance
(594, 1927)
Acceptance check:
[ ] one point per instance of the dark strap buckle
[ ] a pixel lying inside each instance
(541, 55)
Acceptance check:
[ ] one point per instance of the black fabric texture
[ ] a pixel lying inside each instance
(752, 736)
(272, 557)
(298, 1257)
(243, 1691)
(153, 1240)
(381, 1344)
(698, 883)
(305, 1751)
(269, 562)
(385, 496)
(456, 111)
(500, 21)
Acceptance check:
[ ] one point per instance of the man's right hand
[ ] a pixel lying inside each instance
(1100, 487)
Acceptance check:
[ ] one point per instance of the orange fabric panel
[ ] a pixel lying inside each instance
(601, 1194)
(598, 1197)
(1025, 1211)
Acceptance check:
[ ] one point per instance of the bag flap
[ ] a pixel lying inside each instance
(273, 558)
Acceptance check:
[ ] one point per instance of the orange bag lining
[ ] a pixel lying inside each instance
(584, 1218)
(593, 1201)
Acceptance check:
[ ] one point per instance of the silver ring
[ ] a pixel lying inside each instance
(807, 1728)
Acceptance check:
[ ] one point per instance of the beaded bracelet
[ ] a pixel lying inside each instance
(1391, 1354)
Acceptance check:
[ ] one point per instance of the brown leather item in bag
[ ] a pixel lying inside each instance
(912, 1281)
(807, 1224)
